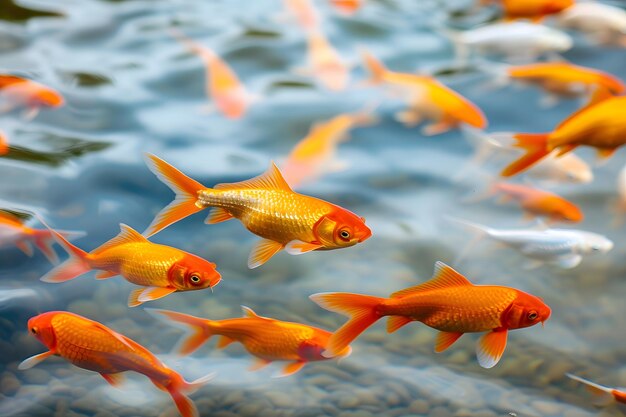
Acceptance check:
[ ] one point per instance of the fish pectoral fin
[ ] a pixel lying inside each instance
(262, 252)
(396, 322)
(445, 340)
(105, 274)
(30, 113)
(569, 261)
(291, 368)
(142, 295)
(218, 215)
(115, 380)
(298, 247)
(259, 364)
(25, 247)
(224, 341)
(491, 347)
(34, 360)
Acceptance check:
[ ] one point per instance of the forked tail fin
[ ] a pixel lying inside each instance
(44, 239)
(201, 329)
(536, 147)
(76, 265)
(179, 387)
(186, 191)
(361, 309)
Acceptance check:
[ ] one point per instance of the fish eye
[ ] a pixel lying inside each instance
(194, 279)
(595, 248)
(33, 330)
(532, 315)
(344, 234)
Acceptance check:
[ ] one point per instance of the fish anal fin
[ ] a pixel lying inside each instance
(491, 347)
(298, 247)
(562, 150)
(115, 380)
(259, 364)
(445, 340)
(262, 252)
(106, 274)
(127, 235)
(605, 153)
(271, 179)
(396, 322)
(25, 247)
(443, 277)
(218, 215)
(224, 341)
(292, 368)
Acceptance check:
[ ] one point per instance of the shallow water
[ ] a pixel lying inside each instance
(131, 89)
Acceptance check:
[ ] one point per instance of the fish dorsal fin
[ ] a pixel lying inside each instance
(271, 179)
(599, 95)
(443, 277)
(127, 235)
(11, 217)
(249, 313)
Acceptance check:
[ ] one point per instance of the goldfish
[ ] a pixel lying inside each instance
(534, 10)
(17, 92)
(4, 144)
(450, 303)
(562, 79)
(347, 7)
(14, 232)
(93, 346)
(603, 23)
(541, 203)
(427, 98)
(265, 338)
(325, 63)
(162, 269)
(561, 247)
(554, 169)
(223, 86)
(315, 154)
(516, 40)
(304, 12)
(267, 207)
(608, 394)
(600, 124)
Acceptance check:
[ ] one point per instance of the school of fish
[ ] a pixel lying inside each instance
(528, 35)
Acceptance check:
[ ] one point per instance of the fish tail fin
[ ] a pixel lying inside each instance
(375, 67)
(186, 191)
(479, 231)
(44, 239)
(76, 265)
(536, 147)
(361, 309)
(201, 329)
(179, 387)
(485, 148)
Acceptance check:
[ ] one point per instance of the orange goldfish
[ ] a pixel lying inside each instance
(13, 232)
(537, 202)
(4, 144)
(19, 91)
(229, 94)
(266, 338)
(601, 124)
(427, 98)
(325, 63)
(565, 79)
(304, 12)
(315, 154)
(267, 207)
(162, 269)
(535, 10)
(348, 7)
(449, 303)
(609, 394)
(91, 345)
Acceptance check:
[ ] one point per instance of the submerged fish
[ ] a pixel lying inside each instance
(606, 393)
(535, 10)
(316, 153)
(602, 22)
(13, 232)
(562, 247)
(267, 207)
(600, 125)
(223, 86)
(304, 12)
(21, 92)
(162, 269)
(348, 7)
(4, 143)
(449, 303)
(266, 338)
(91, 345)
(325, 63)
(427, 98)
(541, 203)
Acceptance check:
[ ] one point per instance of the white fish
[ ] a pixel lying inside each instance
(562, 247)
(566, 169)
(604, 23)
(515, 40)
